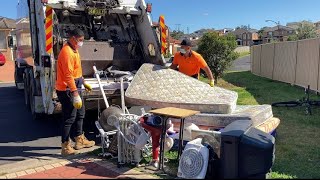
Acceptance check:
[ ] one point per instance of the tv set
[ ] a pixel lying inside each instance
(246, 152)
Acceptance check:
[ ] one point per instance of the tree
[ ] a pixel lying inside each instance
(293, 38)
(176, 34)
(218, 51)
(243, 27)
(261, 31)
(306, 30)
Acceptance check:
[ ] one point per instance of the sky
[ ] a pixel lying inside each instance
(218, 14)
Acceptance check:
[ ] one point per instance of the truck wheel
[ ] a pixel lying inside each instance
(26, 88)
(32, 94)
(16, 77)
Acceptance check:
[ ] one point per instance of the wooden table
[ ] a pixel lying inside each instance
(172, 112)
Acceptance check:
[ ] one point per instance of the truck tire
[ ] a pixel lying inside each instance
(32, 94)
(26, 88)
(18, 75)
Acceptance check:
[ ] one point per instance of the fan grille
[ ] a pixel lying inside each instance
(191, 163)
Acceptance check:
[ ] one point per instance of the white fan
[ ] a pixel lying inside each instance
(212, 138)
(194, 160)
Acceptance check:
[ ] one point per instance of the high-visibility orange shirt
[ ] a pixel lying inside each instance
(189, 65)
(68, 68)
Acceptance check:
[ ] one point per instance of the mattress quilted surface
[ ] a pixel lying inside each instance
(258, 114)
(158, 87)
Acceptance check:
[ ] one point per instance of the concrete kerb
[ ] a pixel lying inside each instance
(7, 82)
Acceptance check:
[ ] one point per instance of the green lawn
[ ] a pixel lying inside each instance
(297, 143)
(242, 54)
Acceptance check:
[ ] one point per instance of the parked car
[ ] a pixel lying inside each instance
(2, 59)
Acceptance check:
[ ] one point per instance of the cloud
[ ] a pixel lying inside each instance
(205, 14)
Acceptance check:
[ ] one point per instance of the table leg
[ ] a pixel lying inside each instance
(180, 137)
(162, 140)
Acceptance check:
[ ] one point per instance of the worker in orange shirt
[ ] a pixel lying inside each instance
(68, 87)
(190, 62)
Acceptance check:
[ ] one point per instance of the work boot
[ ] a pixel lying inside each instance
(83, 142)
(153, 165)
(67, 149)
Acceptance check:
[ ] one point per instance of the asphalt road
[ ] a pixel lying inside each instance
(23, 138)
(241, 64)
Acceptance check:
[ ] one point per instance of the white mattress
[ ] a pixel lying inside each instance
(157, 87)
(256, 113)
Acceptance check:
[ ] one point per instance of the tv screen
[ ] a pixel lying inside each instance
(246, 152)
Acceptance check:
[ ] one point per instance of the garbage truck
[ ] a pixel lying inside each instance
(119, 38)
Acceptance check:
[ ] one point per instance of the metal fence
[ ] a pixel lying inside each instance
(295, 62)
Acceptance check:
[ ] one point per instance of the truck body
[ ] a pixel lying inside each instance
(118, 34)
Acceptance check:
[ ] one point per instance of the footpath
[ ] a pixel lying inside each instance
(83, 166)
(7, 72)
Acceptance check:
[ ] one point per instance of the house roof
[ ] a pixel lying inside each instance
(175, 41)
(155, 24)
(253, 30)
(7, 23)
(240, 31)
(268, 29)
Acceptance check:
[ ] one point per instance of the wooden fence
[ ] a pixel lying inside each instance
(294, 62)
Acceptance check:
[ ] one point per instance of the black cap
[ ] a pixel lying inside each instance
(185, 42)
(76, 32)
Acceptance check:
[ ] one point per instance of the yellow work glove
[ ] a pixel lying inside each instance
(211, 83)
(77, 102)
(88, 87)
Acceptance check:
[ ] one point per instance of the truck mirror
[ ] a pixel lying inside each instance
(10, 42)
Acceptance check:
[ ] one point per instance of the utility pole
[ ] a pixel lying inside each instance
(188, 30)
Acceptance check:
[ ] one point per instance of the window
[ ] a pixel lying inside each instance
(290, 32)
(244, 36)
(270, 33)
(3, 40)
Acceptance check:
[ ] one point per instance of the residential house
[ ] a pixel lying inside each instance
(7, 25)
(197, 34)
(294, 25)
(246, 37)
(224, 31)
(277, 33)
(174, 45)
(317, 24)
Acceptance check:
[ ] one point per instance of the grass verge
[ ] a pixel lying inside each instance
(243, 54)
(297, 142)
